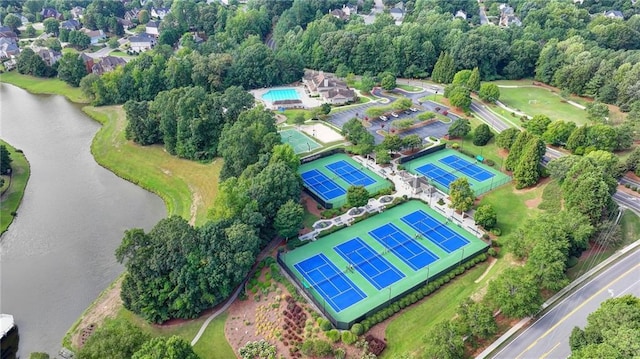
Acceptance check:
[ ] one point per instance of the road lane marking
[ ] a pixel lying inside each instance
(549, 352)
(575, 310)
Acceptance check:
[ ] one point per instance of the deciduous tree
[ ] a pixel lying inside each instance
(288, 220)
(166, 348)
(486, 216)
(461, 194)
(489, 92)
(5, 160)
(118, 339)
(538, 124)
(515, 292)
(482, 135)
(71, 69)
(507, 137)
(444, 342)
(357, 196)
(459, 128)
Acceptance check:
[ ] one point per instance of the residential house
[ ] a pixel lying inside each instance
(153, 28)
(106, 64)
(88, 61)
(142, 42)
(397, 13)
(23, 19)
(6, 32)
(71, 25)
(51, 13)
(49, 56)
(94, 35)
(614, 14)
(159, 12)
(77, 12)
(460, 15)
(328, 87)
(8, 48)
(508, 16)
(10, 64)
(132, 15)
(339, 14)
(127, 24)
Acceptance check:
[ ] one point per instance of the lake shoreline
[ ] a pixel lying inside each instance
(19, 178)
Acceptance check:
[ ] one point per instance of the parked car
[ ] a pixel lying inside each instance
(413, 109)
(383, 118)
(394, 114)
(408, 112)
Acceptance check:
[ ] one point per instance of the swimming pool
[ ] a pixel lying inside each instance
(280, 94)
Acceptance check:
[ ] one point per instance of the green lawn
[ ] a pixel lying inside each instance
(551, 197)
(408, 88)
(405, 334)
(13, 196)
(212, 345)
(541, 101)
(188, 188)
(39, 85)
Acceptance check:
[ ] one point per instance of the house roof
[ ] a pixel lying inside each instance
(153, 24)
(70, 24)
(340, 93)
(112, 61)
(93, 33)
(614, 13)
(144, 37)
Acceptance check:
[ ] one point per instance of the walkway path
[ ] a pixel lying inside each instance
(270, 247)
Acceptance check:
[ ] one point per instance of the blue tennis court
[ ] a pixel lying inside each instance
(437, 174)
(324, 186)
(377, 270)
(468, 168)
(352, 175)
(323, 276)
(438, 233)
(404, 247)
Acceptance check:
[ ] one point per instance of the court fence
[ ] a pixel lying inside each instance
(342, 325)
(493, 184)
(424, 152)
(322, 154)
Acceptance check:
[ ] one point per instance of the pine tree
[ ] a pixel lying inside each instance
(527, 172)
(516, 150)
(443, 71)
(473, 83)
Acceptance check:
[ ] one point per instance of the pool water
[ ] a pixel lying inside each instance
(280, 94)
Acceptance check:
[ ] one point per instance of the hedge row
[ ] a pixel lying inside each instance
(418, 294)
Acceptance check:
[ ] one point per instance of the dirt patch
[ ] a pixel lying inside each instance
(541, 183)
(503, 153)
(533, 203)
(106, 306)
(196, 201)
(311, 205)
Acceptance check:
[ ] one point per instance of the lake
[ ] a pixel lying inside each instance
(58, 254)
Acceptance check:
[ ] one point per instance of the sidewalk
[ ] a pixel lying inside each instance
(551, 301)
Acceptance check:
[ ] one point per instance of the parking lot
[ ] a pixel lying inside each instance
(437, 129)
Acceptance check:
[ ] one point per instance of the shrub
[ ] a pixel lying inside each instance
(572, 261)
(339, 353)
(492, 252)
(325, 324)
(348, 337)
(496, 231)
(455, 146)
(490, 163)
(333, 335)
(357, 329)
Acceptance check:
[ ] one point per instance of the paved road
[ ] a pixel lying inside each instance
(548, 337)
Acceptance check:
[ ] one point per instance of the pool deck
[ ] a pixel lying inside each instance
(307, 101)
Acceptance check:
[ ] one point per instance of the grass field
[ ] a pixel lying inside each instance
(39, 85)
(13, 196)
(408, 88)
(541, 101)
(212, 345)
(188, 188)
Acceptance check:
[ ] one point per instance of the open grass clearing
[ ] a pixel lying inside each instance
(212, 345)
(15, 189)
(551, 197)
(541, 101)
(188, 188)
(409, 88)
(39, 85)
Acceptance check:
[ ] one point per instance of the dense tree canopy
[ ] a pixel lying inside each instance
(118, 339)
(176, 271)
(611, 331)
(5, 160)
(461, 194)
(459, 128)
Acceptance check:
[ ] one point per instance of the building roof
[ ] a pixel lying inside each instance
(152, 23)
(614, 13)
(286, 102)
(144, 37)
